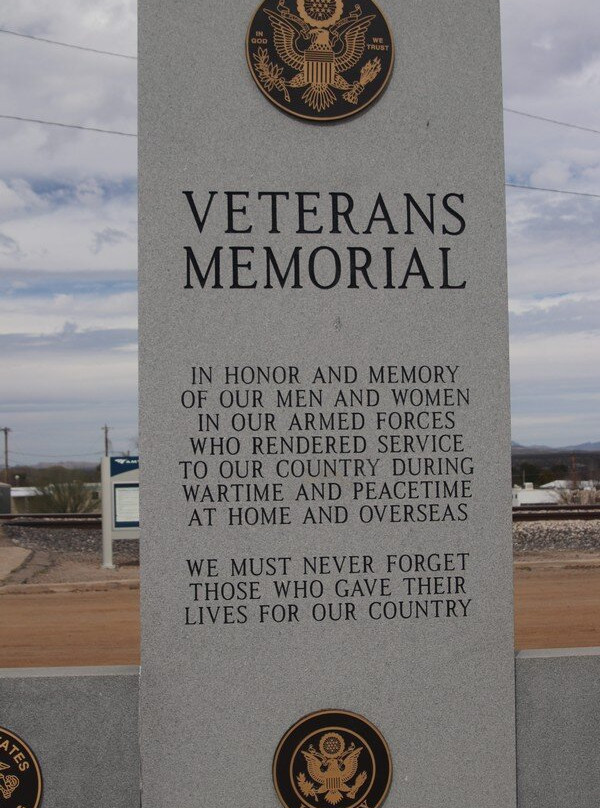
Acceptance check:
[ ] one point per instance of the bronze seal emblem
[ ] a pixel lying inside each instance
(20, 775)
(320, 61)
(332, 758)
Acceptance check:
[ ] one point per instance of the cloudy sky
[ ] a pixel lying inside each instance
(68, 225)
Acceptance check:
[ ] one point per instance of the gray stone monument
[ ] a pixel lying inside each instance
(325, 503)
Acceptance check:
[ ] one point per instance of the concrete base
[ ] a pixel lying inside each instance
(11, 558)
(558, 728)
(82, 723)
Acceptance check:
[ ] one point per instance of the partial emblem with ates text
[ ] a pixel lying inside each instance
(321, 60)
(20, 776)
(332, 758)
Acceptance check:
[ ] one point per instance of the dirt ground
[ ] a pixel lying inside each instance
(70, 629)
(557, 603)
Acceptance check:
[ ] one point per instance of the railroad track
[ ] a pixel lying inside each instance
(49, 520)
(549, 513)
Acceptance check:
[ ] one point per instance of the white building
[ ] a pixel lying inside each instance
(534, 496)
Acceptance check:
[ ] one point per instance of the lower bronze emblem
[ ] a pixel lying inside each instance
(332, 758)
(20, 775)
(317, 59)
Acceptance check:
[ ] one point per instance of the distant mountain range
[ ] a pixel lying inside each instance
(519, 448)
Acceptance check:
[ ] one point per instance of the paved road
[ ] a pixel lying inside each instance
(554, 608)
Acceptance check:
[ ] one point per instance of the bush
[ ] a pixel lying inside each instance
(61, 492)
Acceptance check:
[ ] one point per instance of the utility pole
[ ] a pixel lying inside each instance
(6, 430)
(574, 477)
(105, 429)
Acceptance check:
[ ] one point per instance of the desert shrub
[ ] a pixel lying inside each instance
(60, 491)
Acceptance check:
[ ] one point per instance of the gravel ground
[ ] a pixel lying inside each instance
(68, 555)
(569, 534)
(84, 542)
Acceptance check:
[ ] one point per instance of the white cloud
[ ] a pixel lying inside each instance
(46, 315)
(545, 304)
(553, 244)
(79, 227)
(71, 86)
(563, 360)
(11, 200)
(105, 24)
(100, 375)
(539, 420)
(552, 173)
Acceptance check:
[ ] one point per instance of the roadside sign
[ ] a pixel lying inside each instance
(120, 503)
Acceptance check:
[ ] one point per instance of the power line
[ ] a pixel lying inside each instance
(552, 120)
(550, 190)
(68, 125)
(67, 44)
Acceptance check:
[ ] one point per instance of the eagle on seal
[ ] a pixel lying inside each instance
(331, 769)
(335, 44)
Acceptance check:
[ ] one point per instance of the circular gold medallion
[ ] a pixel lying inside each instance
(20, 775)
(332, 758)
(321, 60)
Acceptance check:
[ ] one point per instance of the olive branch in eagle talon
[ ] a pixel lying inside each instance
(307, 788)
(369, 73)
(270, 74)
